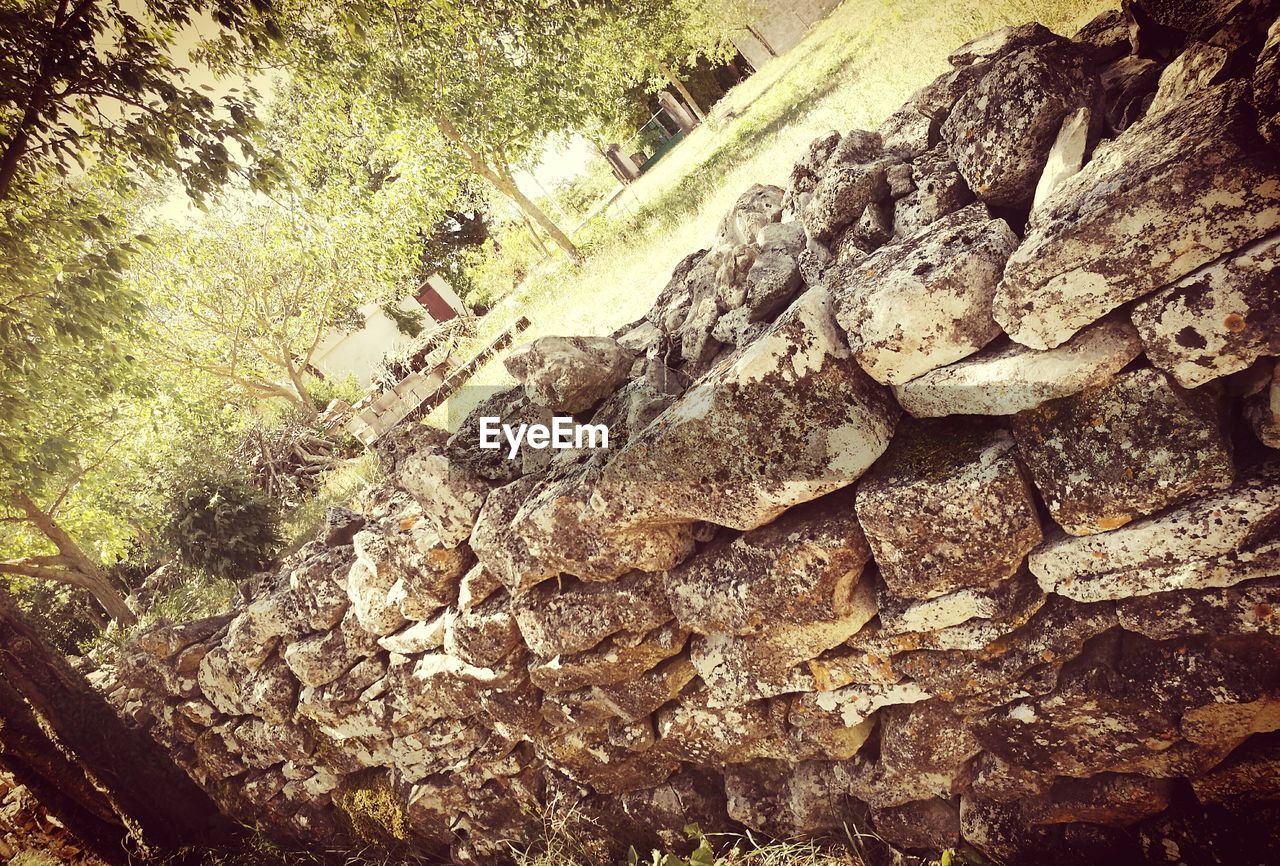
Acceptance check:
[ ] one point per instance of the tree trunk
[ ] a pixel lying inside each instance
(157, 802)
(84, 571)
(57, 782)
(505, 184)
(683, 91)
(537, 239)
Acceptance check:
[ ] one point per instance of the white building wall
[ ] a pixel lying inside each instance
(782, 24)
(357, 353)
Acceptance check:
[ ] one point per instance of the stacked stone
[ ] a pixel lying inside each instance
(942, 496)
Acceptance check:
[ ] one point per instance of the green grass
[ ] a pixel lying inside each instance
(339, 488)
(851, 71)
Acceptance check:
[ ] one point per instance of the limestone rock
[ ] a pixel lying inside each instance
(319, 586)
(840, 197)
(569, 374)
(484, 635)
(563, 528)
(929, 824)
(727, 453)
(999, 42)
(981, 518)
(739, 669)
(253, 635)
(1246, 608)
(1217, 320)
(369, 584)
(1125, 449)
(927, 743)
(476, 585)
(760, 205)
(619, 658)
(1263, 411)
(416, 638)
(450, 493)
(1009, 378)
(1008, 601)
(1253, 770)
(577, 616)
(799, 569)
(1103, 240)
(510, 406)
(322, 658)
(692, 731)
(852, 705)
(1066, 156)
(1001, 130)
(907, 132)
(1197, 68)
(1266, 87)
(939, 190)
(924, 302)
(1105, 38)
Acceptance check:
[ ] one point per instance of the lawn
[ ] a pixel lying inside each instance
(851, 71)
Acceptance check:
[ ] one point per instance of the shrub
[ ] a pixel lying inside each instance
(225, 527)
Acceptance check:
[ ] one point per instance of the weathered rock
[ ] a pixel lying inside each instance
(1217, 320)
(924, 302)
(1002, 41)
(1066, 156)
(840, 197)
(739, 669)
(727, 452)
(943, 512)
(927, 742)
(1197, 68)
(1251, 771)
(340, 526)
(929, 824)
(563, 527)
(760, 205)
(1124, 449)
(322, 658)
(1103, 240)
(511, 406)
(939, 191)
(576, 616)
(907, 132)
(1001, 130)
(450, 493)
(799, 569)
(619, 658)
(1007, 668)
(1246, 608)
(1128, 88)
(1263, 410)
(416, 638)
(484, 635)
(569, 374)
(1105, 38)
(1266, 87)
(1007, 378)
(476, 585)
(692, 731)
(369, 584)
(319, 586)
(805, 173)
(1008, 601)
(253, 635)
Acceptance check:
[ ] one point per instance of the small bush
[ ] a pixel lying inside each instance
(225, 527)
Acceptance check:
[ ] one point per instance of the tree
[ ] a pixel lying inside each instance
(667, 37)
(492, 79)
(82, 77)
(65, 355)
(248, 298)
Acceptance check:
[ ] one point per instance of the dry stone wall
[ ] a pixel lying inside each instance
(942, 500)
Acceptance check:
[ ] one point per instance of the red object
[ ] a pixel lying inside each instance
(437, 307)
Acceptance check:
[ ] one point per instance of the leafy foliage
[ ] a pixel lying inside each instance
(89, 79)
(225, 527)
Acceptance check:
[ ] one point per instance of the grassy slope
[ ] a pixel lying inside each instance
(851, 71)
